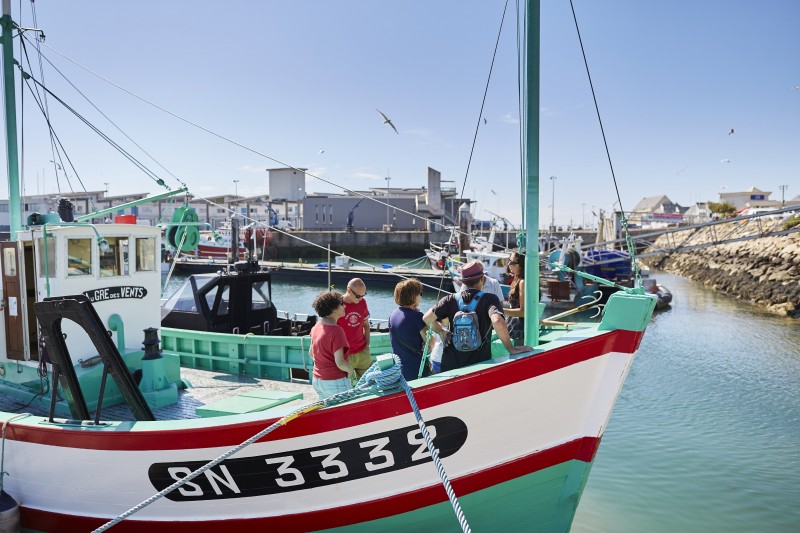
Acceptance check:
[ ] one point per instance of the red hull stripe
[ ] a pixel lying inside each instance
(582, 449)
(438, 393)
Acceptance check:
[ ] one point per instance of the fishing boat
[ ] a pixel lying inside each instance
(511, 440)
(217, 246)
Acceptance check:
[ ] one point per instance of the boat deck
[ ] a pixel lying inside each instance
(206, 387)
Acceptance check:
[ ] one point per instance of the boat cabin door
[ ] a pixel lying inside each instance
(14, 302)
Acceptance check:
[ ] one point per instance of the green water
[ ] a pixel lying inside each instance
(706, 433)
(705, 436)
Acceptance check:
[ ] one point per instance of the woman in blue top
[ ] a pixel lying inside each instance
(408, 331)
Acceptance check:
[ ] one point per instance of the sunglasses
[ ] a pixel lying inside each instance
(358, 296)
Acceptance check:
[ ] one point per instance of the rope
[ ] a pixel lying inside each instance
(3, 472)
(462, 520)
(373, 381)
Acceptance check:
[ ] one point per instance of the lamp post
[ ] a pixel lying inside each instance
(106, 184)
(553, 206)
(583, 215)
(388, 219)
(236, 193)
(783, 193)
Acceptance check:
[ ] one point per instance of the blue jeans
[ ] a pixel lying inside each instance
(328, 387)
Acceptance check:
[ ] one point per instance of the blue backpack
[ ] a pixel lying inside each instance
(466, 329)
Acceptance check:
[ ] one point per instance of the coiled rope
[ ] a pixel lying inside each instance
(373, 381)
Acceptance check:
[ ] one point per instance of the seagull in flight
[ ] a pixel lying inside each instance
(724, 160)
(322, 151)
(387, 120)
(731, 132)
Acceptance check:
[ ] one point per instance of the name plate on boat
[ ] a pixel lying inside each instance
(308, 468)
(115, 293)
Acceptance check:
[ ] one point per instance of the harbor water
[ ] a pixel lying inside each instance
(705, 435)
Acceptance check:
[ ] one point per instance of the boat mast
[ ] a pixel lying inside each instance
(14, 211)
(531, 170)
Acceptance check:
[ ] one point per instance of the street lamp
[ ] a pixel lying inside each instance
(553, 206)
(388, 219)
(583, 215)
(106, 184)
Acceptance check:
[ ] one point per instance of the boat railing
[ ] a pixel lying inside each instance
(378, 324)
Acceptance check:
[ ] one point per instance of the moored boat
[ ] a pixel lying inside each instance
(361, 463)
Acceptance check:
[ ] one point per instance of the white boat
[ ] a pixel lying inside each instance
(516, 436)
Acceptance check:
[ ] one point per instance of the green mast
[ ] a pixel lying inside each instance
(530, 101)
(14, 211)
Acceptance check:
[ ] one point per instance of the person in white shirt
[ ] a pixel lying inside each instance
(493, 286)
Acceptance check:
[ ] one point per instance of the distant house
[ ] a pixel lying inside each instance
(752, 197)
(657, 210)
(697, 214)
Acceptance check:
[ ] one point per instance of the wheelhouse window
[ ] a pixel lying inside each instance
(224, 299)
(260, 295)
(47, 257)
(10, 262)
(182, 300)
(79, 257)
(114, 261)
(145, 255)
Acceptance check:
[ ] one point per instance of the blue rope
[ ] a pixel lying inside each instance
(462, 520)
(373, 381)
(382, 380)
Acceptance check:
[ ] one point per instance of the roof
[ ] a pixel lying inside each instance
(657, 204)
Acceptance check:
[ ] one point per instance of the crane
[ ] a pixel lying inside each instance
(351, 216)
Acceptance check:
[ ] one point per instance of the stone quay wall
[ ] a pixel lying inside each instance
(763, 271)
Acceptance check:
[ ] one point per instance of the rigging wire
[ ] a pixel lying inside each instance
(245, 147)
(41, 101)
(158, 180)
(306, 241)
(628, 238)
(37, 41)
(118, 128)
(215, 134)
(523, 181)
(521, 109)
(483, 101)
(104, 136)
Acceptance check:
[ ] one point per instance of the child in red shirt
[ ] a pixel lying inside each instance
(332, 372)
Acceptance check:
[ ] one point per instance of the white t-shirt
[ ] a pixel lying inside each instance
(492, 286)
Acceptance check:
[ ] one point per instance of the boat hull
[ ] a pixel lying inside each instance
(360, 465)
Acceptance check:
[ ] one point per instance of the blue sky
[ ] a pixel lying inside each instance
(290, 79)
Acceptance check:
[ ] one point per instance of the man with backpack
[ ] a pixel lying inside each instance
(471, 314)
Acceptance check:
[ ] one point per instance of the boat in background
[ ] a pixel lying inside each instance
(214, 245)
(78, 294)
(651, 286)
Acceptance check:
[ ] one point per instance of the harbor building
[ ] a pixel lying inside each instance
(287, 206)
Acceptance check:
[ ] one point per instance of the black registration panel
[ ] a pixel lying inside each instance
(311, 467)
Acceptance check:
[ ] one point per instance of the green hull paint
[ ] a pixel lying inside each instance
(261, 356)
(544, 501)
